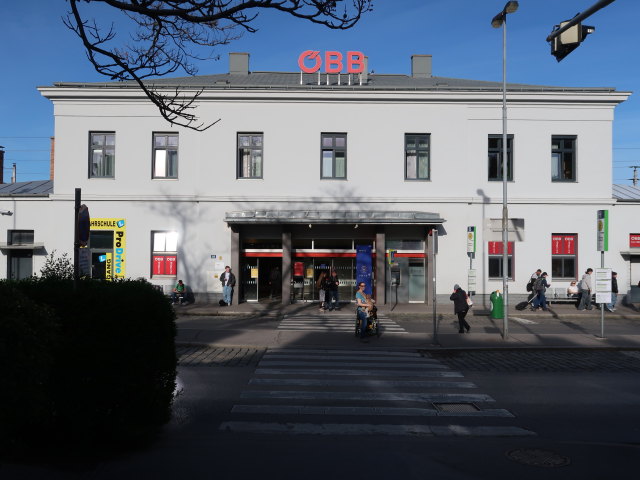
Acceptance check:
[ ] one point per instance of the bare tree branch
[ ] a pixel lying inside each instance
(170, 34)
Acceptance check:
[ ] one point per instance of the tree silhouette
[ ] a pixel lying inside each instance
(169, 36)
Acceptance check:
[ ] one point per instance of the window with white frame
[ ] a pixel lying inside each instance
(333, 155)
(495, 157)
(250, 155)
(563, 158)
(416, 156)
(563, 256)
(102, 154)
(165, 155)
(164, 255)
(496, 260)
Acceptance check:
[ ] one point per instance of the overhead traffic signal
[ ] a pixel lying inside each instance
(565, 43)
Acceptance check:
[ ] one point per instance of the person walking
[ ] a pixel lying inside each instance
(332, 283)
(611, 307)
(585, 291)
(460, 307)
(534, 276)
(540, 288)
(228, 281)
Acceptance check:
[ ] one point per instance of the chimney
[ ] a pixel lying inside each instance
(14, 174)
(239, 63)
(1, 164)
(421, 66)
(364, 76)
(52, 155)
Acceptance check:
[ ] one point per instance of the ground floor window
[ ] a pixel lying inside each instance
(496, 260)
(164, 255)
(563, 256)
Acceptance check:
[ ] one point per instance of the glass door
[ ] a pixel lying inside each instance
(250, 280)
(416, 281)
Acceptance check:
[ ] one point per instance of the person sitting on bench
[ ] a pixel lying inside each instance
(178, 292)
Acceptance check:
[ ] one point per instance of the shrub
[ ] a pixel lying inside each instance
(28, 342)
(113, 373)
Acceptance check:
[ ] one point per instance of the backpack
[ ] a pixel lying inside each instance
(530, 285)
(537, 286)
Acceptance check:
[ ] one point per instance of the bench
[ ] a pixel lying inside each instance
(559, 295)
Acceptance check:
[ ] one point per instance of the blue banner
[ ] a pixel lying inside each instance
(363, 267)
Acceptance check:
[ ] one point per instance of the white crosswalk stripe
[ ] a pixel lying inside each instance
(362, 392)
(334, 322)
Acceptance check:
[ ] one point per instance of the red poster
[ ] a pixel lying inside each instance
(298, 269)
(495, 248)
(170, 265)
(557, 245)
(158, 265)
(570, 245)
(634, 240)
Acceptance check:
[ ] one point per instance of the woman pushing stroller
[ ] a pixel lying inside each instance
(364, 309)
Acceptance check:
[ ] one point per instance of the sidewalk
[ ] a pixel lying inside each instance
(254, 324)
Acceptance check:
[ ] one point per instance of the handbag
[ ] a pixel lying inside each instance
(469, 302)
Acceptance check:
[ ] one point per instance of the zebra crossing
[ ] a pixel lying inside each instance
(334, 322)
(363, 392)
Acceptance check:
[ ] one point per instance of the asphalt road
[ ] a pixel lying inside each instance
(555, 414)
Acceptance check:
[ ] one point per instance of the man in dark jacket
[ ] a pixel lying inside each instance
(228, 280)
(614, 292)
(460, 307)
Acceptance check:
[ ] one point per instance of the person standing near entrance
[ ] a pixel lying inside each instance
(332, 283)
(275, 282)
(460, 307)
(228, 280)
(322, 293)
(585, 291)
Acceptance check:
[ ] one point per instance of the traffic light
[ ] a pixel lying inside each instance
(569, 40)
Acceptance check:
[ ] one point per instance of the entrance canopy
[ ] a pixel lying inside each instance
(332, 217)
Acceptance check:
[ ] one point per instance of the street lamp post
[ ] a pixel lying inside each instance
(500, 20)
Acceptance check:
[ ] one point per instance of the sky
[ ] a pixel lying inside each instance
(37, 49)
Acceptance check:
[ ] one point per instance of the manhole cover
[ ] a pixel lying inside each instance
(456, 407)
(538, 457)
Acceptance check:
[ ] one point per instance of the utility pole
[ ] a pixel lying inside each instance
(635, 175)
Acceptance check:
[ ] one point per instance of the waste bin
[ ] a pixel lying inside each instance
(497, 304)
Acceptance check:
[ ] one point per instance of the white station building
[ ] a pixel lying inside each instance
(302, 169)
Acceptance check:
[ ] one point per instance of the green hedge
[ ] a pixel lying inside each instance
(107, 358)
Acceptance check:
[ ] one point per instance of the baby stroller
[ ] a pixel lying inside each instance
(373, 328)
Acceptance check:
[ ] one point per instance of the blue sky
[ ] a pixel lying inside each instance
(38, 50)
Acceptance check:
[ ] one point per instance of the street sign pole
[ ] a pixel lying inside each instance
(434, 251)
(76, 240)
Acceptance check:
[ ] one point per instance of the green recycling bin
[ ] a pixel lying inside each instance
(497, 304)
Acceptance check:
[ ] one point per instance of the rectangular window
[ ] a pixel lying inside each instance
(563, 256)
(416, 156)
(102, 155)
(165, 155)
(495, 260)
(250, 155)
(563, 158)
(20, 237)
(164, 255)
(495, 157)
(20, 262)
(333, 155)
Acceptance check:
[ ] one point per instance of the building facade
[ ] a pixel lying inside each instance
(301, 170)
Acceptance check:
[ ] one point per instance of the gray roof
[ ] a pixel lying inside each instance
(291, 80)
(626, 193)
(39, 187)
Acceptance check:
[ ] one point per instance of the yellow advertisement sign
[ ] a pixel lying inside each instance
(254, 273)
(116, 266)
